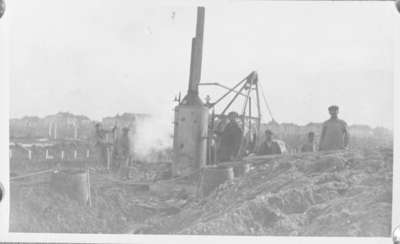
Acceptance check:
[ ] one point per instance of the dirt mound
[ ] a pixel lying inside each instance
(36, 207)
(343, 193)
(338, 194)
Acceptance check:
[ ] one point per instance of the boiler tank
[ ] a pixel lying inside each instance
(190, 138)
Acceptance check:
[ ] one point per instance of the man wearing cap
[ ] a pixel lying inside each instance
(334, 134)
(269, 146)
(231, 139)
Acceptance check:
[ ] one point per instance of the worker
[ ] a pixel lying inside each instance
(231, 138)
(309, 146)
(100, 146)
(269, 146)
(335, 135)
(124, 150)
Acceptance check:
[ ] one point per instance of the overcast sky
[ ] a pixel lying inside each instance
(99, 58)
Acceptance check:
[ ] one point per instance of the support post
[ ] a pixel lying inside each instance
(245, 106)
(89, 187)
(108, 158)
(55, 130)
(50, 128)
(75, 131)
(258, 107)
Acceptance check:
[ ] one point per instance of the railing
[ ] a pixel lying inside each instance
(47, 154)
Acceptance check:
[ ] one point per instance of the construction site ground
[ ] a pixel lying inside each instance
(341, 193)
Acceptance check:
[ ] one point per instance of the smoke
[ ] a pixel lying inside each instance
(152, 139)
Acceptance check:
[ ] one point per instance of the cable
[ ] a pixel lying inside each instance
(266, 103)
(31, 174)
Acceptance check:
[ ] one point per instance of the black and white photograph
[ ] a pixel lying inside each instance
(245, 118)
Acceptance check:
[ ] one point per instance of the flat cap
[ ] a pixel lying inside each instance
(333, 108)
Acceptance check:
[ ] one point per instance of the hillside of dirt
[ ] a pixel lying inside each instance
(331, 194)
(343, 193)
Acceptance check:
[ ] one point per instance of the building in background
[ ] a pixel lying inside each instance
(361, 131)
(126, 120)
(62, 125)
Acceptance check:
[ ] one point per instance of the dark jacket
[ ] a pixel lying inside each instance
(231, 139)
(269, 148)
(334, 135)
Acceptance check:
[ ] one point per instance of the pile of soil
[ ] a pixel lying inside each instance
(117, 206)
(333, 194)
(343, 193)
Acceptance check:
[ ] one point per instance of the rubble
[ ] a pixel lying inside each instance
(343, 193)
(313, 195)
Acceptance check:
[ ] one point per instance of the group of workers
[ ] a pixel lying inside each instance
(334, 136)
(112, 148)
(114, 153)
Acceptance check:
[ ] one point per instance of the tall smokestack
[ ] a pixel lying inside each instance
(197, 53)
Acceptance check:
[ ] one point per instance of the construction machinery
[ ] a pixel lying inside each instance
(191, 115)
(250, 121)
(197, 122)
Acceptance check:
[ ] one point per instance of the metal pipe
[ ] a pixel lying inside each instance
(250, 120)
(228, 92)
(220, 85)
(266, 103)
(197, 53)
(258, 107)
(246, 117)
(246, 101)
(233, 99)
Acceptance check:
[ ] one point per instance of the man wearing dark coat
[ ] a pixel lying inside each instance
(334, 135)
(269, 146)
(231, 139)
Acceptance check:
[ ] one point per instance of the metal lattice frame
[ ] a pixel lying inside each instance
(247, 88)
